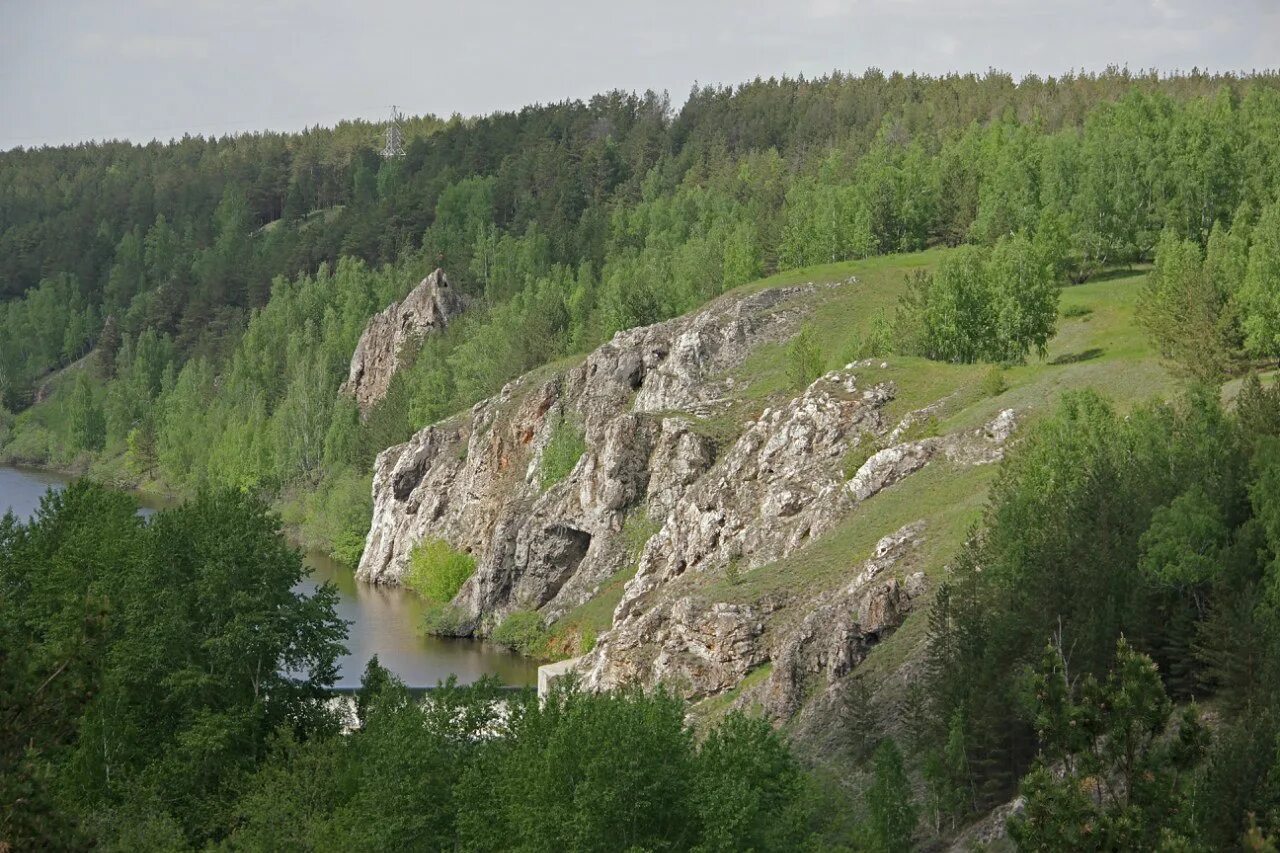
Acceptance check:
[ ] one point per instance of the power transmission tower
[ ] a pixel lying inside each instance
(394, 146)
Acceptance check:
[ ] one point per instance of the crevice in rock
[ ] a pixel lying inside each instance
(564, 550)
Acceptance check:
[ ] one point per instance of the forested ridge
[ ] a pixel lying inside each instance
(222, 284)
(1104, 644)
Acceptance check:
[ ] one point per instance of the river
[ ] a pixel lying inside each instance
(383, 620)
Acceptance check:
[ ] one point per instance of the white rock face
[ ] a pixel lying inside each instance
(778, 486)
(473, 480)
(428, 308)
(839, 631)
(886, 467)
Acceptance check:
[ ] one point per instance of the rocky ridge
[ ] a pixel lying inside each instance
(428, 308)
(743, 494)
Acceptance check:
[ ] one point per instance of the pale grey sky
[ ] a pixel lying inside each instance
(72, 70)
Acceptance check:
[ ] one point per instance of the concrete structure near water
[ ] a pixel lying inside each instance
(550, 673)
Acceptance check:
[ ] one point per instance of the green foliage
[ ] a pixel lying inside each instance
(1185, 311)
(1166, 516)
(804, 358)
(1184, 542)
(436, 571)
(1258, 293)
(334, 517)
(149, 665)
(993, 383)
(891, 814)
(984, 304)
(561, 453)
(1125, 782)
(601, 772)
(748, 788)
(87, 422)
(444, 620)
(524, 631)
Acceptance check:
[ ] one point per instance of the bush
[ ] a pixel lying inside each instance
(982, 304)
(437, 571)
(637, 530)
(563, 450)
(804, 358)
(1072, 311)
(339, 514)
(993, 384)
(523, 631)
(443, 620)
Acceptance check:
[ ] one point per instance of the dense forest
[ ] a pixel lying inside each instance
(122, 733)
(1106, 643)
(220, 285)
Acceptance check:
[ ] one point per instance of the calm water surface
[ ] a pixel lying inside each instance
(383, 620)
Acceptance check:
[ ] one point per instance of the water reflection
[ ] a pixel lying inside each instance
(383, 620)
(386, 621)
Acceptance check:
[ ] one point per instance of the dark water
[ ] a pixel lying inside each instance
(383, 620)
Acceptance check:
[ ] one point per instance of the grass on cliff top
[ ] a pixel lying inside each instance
(1098, 345)
(947, 497)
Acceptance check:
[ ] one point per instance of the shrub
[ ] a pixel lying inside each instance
(524, 631)
(637, 530)
(342, 510)
(1070, 311)
(804, 358)
(857, 455)
(437, 571)
(443, 620)
(993, 384)
(563, 450)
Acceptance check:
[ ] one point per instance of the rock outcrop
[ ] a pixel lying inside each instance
(428, 308)
(886, 467)
(474, 480)
(727, 489)
(839, 630)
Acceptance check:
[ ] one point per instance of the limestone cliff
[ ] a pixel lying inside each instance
(672, 442)
(428, 308)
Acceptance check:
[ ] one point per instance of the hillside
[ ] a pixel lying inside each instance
(911, 427)
(672, 419)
